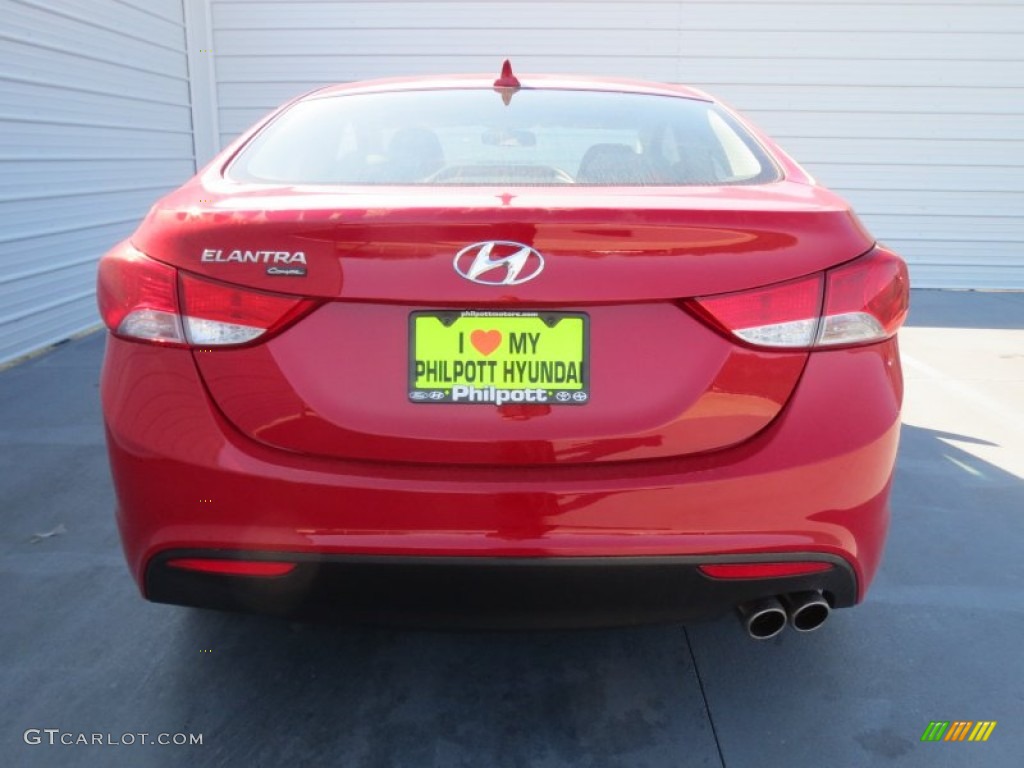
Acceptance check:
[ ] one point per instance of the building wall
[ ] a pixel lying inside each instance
(910, 108)
(95, 124)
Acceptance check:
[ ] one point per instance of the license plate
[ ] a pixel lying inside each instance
(499, 357)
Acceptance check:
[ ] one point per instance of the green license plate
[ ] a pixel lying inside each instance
(499, 357)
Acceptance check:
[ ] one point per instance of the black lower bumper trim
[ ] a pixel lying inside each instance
(488, 592)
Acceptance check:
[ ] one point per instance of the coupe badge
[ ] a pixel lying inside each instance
(498, 262)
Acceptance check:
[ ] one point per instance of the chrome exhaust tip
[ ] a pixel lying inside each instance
(762, 619)
(806, 610)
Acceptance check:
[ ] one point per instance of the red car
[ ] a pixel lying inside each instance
(558, 350)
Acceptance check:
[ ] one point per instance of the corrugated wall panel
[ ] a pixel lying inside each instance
(910, 108)
(95, 123)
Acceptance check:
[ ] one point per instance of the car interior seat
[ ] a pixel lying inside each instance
(413, 154)
(614, 164)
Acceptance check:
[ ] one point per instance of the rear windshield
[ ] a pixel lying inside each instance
(471, 137)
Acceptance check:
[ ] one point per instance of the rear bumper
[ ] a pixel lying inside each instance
(813, 485)
(486, 592)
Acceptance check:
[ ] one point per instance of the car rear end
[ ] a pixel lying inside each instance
(492, 389)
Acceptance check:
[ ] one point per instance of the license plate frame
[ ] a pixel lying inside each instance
(558, 376)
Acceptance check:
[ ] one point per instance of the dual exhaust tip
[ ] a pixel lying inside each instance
(764, 619)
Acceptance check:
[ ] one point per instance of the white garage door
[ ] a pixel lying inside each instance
(910, 108)
(94, 125)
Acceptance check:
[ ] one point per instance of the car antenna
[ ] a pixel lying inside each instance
(507, 83)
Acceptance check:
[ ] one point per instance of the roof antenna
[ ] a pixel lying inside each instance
(507, 83)
(507, 79)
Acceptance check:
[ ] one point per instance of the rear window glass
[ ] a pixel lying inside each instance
(471, 137)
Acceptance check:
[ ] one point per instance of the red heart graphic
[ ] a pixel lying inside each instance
(485, 341)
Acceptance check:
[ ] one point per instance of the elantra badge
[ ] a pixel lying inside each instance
(498, 262)
(252, 257)
(238, 256)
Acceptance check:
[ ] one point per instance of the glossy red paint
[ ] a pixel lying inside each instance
(776, 493)
(695, 442)
(351, 401)
(394, 244)
(506, 79)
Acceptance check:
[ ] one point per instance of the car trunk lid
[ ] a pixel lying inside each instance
(661, 382)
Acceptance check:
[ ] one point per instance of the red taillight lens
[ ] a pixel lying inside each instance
(138, 297)
(782, 315)
(233, 567)
(762, 570)
(141, 298)
(216, 314)
(864, 301)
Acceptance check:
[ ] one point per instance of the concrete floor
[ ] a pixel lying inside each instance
(938, 639)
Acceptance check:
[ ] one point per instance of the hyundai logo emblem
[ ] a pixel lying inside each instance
(498, 262)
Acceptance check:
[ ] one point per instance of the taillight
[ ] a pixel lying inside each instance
(782, 315)
(138, 297)
(863, 301)
(144, 299)
(866, 300)
(216, 314)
